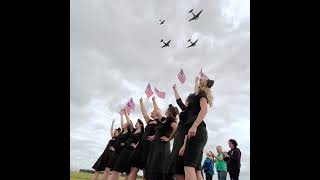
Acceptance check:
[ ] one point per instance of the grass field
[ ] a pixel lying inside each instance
(85, 176)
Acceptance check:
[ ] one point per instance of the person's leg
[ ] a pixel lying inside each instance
(199, 175)
(106, 174)
(115, 176)
(223, 175)
(190, 173)
(95, 175)
(133, 173)
(125, 178)
(179, 176)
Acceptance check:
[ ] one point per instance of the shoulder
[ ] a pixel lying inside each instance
(171, 120)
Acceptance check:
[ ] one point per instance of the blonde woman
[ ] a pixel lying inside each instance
(197, 135)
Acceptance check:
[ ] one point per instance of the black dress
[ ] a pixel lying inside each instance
(194, 146)
(122, 138)
(122, 164)
(160, 151)
(139, 155)
(105, 157)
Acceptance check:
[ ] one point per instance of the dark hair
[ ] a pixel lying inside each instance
(173, 110)
(234, 142)
(142, 125)
(118, 129)
(190, 98)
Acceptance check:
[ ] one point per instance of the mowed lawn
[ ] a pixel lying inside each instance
(86, 176)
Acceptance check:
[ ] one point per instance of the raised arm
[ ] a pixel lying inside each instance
(144, 111)
(156, 107)
(122, 121)
(111, 130)
(196, 85)
(178, 98)
(130, 125)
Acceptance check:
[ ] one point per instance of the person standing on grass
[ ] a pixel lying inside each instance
(233, 157)
(221, 165)
(103, 160)
(208, 167)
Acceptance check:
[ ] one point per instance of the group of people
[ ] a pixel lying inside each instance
(224, 162)
(134, 148)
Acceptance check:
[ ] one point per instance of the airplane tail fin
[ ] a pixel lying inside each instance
(191, 11)
(189, 40)
(161, 40)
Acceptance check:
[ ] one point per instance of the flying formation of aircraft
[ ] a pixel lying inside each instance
(165, 44)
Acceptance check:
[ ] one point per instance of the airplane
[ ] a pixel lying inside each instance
(161, 22)
(192, 43)
(195, 17)
(165, 44)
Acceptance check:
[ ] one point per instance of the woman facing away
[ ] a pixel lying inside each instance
(208, 166)
(139, 155)
(159, 155)
(175, 165)
(123, 136)
(197, 135)
(103, 160)
(122, 164)
(221, 165)
(233, 157)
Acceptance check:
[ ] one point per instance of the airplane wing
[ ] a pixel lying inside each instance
(196, 41)
(194, 17)
(189, 46)
(163, 46)
(168, 42)
(199, 13)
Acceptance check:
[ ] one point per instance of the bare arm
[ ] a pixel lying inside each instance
(174, 130)
(130, 125)
(196, 85)
(111, 130)
(144, 111)
(156, 107)
(122, 121)
(176, 94)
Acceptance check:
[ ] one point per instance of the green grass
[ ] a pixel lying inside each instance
(86, 176)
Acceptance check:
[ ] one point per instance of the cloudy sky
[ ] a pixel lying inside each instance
(115, 52)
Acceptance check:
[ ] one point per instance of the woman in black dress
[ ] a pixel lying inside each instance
(122, 138)
(197, 132)
(103, 160)
(233, 158)
(176, 163)
(140, 153)
(122, 165)
(160, 153)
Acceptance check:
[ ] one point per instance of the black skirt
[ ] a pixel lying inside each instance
(139, 155)
(194, 147)
(122, 164)
(175, 163)
(113, 160)
(103, 160)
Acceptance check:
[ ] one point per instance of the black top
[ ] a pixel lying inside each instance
(149, 130)
(112, 142)
(234, 160)
(133, 138)
(195, 107)
(122, 138)
(163, 128)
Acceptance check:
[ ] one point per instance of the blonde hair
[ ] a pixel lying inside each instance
(203, 86)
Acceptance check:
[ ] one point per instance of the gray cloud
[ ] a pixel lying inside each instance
(115, 53)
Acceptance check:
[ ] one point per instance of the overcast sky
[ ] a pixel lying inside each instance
(115, 52)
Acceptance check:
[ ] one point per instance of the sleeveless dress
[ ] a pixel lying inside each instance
(194, 146)
(105, 157)
(160, 151)
(122, 138)
(122, 164)
(139, 155)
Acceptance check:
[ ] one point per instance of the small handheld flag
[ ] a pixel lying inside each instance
(182, 77)
(160, 94)
(149, 91)
(203, 76)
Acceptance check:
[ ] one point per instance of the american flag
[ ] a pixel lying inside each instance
(132, 104)
(182, 77)
(149, 91)
(203, 76)
(121, 112)
(159, 93)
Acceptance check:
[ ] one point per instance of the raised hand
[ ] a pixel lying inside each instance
(141, 100)
(174, 87)
(113, 120)
(153, 98)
